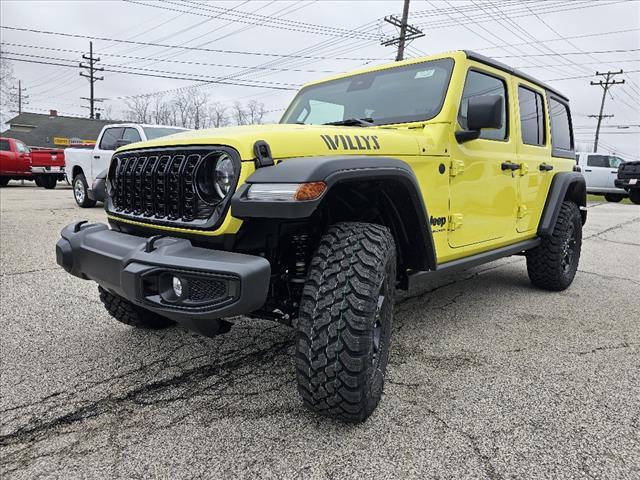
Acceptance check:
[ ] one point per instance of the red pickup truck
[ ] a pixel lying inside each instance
(18, 162)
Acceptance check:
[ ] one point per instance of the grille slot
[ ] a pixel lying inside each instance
(160, 185)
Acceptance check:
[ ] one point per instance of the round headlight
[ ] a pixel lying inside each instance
(224, 175)
(215, 177)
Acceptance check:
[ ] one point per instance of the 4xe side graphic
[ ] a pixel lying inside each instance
(351, 142)
(272, 222)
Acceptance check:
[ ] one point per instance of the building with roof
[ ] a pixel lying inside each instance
(53, 130)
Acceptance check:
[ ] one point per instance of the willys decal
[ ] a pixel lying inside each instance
(351, 142)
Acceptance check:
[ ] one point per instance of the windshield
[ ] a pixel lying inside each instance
(156, 132)
(397, 95)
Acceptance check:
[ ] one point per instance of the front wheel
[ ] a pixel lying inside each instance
(634, 195)
(81, 192)
(553, 264)
(130, 314)
(344, 325)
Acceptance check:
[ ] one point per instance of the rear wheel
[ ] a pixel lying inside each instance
(553, 264)
(344, 325)
(130, 314)
(634, 195)
(47, 182)
(613, 197)
(80, 192)
(4, 181)
(38, 182)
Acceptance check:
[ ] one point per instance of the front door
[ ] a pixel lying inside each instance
(597, 172)
(482, 190)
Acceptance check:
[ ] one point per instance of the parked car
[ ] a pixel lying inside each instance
(83, 165)
(629, 180)
(372, 181)
(600, 172)
(45, 166)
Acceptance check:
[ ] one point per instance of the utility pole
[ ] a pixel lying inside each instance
(92, 69)
(407, 32)
(606, 85)
(21, 98)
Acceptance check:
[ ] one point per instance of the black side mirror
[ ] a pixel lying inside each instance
(483, 111)
(122, 142)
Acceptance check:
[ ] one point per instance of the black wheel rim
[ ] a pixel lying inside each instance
(568, 249)
(377, 327)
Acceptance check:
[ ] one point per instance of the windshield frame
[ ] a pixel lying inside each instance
(396, 121)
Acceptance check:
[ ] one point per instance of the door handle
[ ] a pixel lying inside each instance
(510, 166)
(545, 167)
(614, 171)
(587, 169)
(97, 157)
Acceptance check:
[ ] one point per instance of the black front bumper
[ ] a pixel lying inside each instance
(216, 283)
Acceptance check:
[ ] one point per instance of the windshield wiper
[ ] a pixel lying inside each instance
(360, 122)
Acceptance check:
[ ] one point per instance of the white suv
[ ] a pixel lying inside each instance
(600, 172)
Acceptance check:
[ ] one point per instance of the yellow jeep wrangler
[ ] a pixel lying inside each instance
(371, 181)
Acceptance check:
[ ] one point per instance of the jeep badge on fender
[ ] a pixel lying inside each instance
(315, 222)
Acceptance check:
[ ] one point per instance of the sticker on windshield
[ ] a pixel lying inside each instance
(425, 73)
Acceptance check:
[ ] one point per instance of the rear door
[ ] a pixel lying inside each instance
(104, 150)
(534, 155)
(597, 172)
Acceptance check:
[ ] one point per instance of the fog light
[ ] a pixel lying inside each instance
(177, 287)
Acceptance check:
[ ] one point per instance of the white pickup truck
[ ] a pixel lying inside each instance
(82, 166)
(600, 172)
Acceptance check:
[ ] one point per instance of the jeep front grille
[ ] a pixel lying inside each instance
(159, 186)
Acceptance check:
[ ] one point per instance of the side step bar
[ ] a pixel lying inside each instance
(473, 261)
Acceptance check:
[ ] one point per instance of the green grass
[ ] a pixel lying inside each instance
(600, 199)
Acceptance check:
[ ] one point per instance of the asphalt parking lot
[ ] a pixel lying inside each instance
(488, 377)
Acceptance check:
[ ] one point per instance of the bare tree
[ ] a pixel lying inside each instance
(182, 109)
(139, 109)
(199, 101)
(161, 111)
(239, 114)
(8, 98)
(254, 112)
(217, 115)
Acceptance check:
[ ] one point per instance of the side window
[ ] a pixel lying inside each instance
(131, 134)
(4, 145)
(532, 122)
(597, 161)
(615, 162)
(110, 137)
(22, 148)
(561, 137)
(478, 84)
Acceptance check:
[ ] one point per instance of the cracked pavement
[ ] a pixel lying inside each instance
(488, 377)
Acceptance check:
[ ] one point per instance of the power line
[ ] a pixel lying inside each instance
(90, 74)
(200, 49)
(407, 32)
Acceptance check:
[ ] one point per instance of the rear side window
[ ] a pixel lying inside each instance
(597, 161)
(478, 84)
(110, 137)
(561, 137)
(532, 123)
(131, 134)
(4, 145)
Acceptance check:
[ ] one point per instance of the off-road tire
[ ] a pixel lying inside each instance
(345, 319)
(613, 197)
(553, 264)
(126, 312)
(81, 192)
(634, 195)
(49, 183)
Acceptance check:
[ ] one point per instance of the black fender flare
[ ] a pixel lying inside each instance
(334, 170)
(565, 185)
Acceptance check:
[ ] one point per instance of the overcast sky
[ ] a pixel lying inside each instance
(269, 47)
